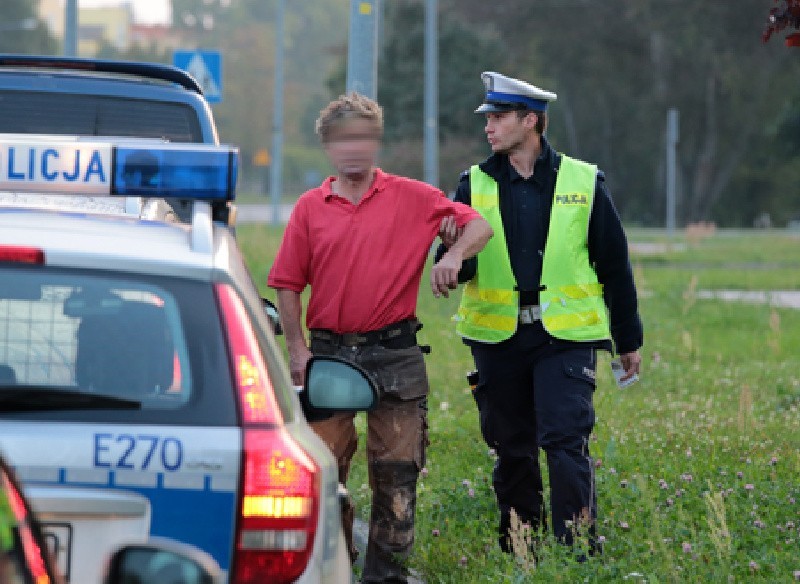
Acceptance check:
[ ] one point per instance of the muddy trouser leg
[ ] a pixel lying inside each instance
(339, 433)
(396, 441)
(564, 387)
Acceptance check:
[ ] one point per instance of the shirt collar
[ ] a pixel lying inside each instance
(378, 185)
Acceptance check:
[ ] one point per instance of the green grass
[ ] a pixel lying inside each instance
(707, 444)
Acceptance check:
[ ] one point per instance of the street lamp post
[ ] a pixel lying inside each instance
(71, 28)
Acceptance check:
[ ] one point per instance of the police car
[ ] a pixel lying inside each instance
(142, 392)
(95, 97)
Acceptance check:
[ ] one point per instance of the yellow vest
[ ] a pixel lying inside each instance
(572, 300)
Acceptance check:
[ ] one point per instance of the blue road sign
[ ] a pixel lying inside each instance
(206, 68)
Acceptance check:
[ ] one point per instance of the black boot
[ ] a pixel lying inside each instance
(391, 524)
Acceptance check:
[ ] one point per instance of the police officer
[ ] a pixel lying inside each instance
(550, 289)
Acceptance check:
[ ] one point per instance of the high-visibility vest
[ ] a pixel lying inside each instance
(572, 302)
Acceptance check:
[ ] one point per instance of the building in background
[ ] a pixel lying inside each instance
(108, 26)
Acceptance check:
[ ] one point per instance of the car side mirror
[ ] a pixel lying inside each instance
(333, 384)
(162, 561)
(272, 314)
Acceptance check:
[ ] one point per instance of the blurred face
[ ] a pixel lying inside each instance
(352, 147)
(506, 132)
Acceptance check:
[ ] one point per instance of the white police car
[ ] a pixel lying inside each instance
(141, 390)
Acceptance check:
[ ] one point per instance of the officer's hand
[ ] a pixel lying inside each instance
(298, 359)
(444, 275)
(631, 362)
(449, 231)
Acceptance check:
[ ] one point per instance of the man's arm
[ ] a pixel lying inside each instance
(608, 252)
(290, 307)
(444, 274)
(469, 266)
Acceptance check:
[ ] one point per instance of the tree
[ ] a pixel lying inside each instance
(618, 65)
(21, 31)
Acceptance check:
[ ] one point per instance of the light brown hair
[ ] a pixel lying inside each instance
(348, 107)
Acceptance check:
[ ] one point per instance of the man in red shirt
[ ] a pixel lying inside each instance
(360, 240)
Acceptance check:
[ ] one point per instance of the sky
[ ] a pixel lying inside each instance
(145, 11)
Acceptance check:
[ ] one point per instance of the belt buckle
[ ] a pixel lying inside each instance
(525, 316)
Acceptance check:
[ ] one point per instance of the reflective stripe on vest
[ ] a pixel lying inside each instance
(572, 301)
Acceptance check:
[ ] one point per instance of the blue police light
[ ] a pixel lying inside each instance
(72, 165)
(183, 172)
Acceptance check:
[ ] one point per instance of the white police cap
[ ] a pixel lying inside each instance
(504, 94)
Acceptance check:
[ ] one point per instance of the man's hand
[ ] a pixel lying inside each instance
(449, 231)
(444, 275)
(631, 362)
(298, 359)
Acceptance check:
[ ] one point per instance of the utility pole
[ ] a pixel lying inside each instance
(362, 54)
(673, 131)
(431, 108)
(71, 28)
(276, 164)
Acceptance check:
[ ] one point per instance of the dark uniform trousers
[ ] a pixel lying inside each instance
(396, 442)
(536, 392)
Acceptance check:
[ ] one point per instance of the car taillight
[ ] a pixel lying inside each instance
(279, 510)
(280, 488)
(21, 254)
(256, 396)
(31, 551)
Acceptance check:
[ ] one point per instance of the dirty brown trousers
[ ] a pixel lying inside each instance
(396, 442)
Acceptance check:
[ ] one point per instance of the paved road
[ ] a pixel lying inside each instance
(260, 213)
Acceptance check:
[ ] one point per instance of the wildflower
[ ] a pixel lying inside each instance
(670, 502)
(753, 565)
(601, 539)
(686, 477)
(623, 483)
(739, 474)
(663, 484)
(612, 470)
(463, 560)
(492, 452)
(624, 525)
(444, 406)
(598, 462)
(796, 575)
(435, 533)
(466, 482)
(687, 547)
(773, 461)
(758, 524)
(689, 452)
(749, 487)
(424, 471)
(471, 492)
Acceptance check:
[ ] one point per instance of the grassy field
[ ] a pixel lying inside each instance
(698, 465)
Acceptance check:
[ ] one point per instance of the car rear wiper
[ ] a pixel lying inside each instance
(33, 398)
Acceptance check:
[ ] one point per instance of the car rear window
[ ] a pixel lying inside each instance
(39, 112)
(154, 340)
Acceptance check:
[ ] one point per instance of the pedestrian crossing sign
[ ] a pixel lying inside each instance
(206, 68)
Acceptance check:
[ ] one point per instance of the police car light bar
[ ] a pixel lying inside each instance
(69, 165)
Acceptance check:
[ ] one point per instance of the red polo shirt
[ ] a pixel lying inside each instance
(363, 262)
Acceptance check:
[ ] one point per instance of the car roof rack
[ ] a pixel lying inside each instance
(148, 70)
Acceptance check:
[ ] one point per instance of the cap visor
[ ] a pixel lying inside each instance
(495, 108)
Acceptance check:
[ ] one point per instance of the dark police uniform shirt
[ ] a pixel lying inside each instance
(525, 206)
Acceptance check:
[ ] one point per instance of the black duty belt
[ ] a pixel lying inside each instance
(393, 332)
